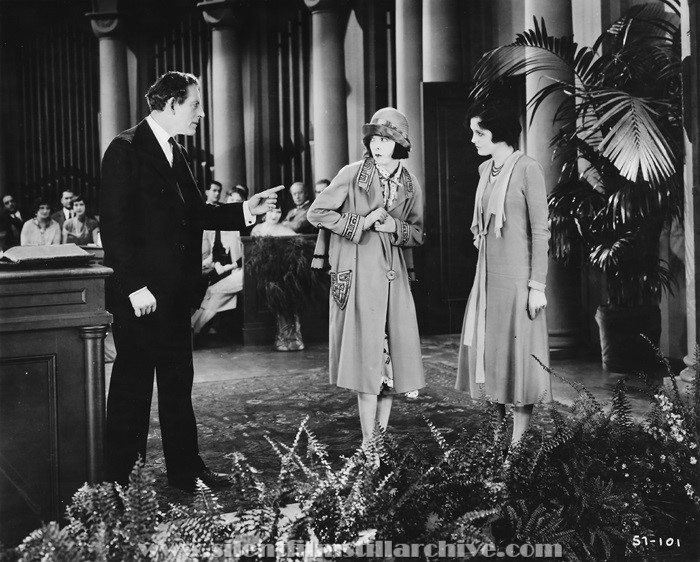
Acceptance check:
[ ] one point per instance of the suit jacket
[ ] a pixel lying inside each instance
(11, 227)
(297, 221)
(59, 217)
(152, 217)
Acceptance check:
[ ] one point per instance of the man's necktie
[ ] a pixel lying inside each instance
(175, 151)
(177, 167)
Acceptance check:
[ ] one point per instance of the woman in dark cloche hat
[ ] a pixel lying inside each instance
(373, 210)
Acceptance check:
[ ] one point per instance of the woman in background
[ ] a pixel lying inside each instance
(80, 229)
(505, 323)
(271, 226)
(238, 194)
(42, 230)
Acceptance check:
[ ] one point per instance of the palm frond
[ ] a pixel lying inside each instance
(533, 51)
(633, 142)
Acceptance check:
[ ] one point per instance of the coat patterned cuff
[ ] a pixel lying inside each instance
(536, 285)
(353, 227)
(403, 231)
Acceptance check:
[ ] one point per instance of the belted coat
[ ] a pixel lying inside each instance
(370, 291)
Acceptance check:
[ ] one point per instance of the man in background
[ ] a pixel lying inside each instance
(10, 223)
(213, 192)
(296, 217)
(320, 185)
(66, 211)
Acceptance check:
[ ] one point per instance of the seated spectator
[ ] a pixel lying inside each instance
(42, 230)
(81, 229)
(296, 217)
(10, 223)
(271, 226)
(66, 211)
(238, 194)
(222, 252)
(213, 192)
(320, 185)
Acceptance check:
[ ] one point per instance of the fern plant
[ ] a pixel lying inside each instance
(281, 266)
(588, 479)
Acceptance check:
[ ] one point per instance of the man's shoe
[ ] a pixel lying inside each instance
(214, 479)
(210, 478)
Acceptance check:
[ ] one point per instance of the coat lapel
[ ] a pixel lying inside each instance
(152, 153)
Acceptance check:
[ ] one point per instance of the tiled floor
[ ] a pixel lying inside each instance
(218, 360)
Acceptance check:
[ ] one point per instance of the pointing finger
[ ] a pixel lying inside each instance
(271, 192)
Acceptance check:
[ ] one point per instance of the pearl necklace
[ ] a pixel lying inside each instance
(495, 170)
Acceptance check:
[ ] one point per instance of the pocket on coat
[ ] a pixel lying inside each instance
(340, 287)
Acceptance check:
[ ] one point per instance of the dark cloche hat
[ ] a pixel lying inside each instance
(390, 123)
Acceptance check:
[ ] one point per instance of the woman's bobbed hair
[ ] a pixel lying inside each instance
(501, 117)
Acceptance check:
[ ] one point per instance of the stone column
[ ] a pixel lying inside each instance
(226, 112)
(328, 86)
(4, 142)
(508, 22)
(442, 41)
(690, 23)
(114, 81)
(93, 337)
(563, 283)
(409, 75)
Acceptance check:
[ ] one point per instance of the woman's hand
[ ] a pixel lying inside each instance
(389, 225)
(536, 301)
(379, 215)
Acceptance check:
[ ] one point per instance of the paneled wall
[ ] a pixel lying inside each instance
(50, 106)
(293, 60)
(186, 45)
(49, 101)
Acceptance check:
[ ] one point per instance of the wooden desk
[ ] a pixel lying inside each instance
(52, 407)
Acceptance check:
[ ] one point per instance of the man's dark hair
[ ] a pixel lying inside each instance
(79, 198)
(324, 181)
(400, 152)
(499, 116)
(217, 183)
(172, 84)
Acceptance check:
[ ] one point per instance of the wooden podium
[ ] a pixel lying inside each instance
(52, 406)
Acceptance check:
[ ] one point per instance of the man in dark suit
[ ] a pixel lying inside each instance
(66, 210)
(296, 217)
(152, 215)
(10, 222)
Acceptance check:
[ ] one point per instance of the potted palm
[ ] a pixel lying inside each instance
(621, 146)
(281, 267)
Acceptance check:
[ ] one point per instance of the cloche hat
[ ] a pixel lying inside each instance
(390, 123)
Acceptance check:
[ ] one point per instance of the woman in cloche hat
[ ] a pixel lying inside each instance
(373, 210)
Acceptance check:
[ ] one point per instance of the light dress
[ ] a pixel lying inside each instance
(497, 327)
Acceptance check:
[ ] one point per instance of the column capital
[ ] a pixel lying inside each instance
(326, 5)
(93, 332)
(221, 13)
(106, 24)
